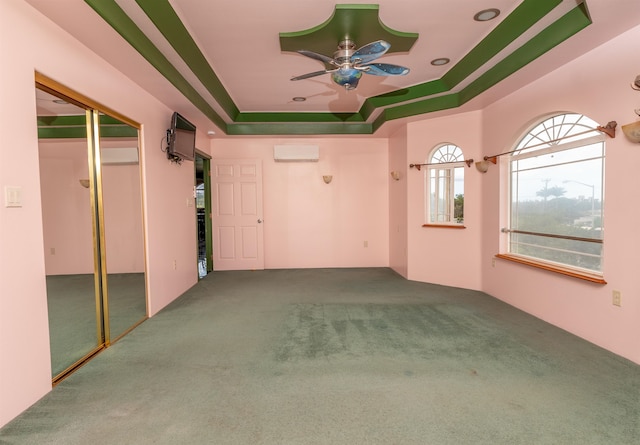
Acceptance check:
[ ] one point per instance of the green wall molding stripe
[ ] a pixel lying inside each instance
(359, 23)
(78, 119)
(116, 17)
(72, 127)
(299, 117)
(73, 132)
(288, 123)
(168, 23)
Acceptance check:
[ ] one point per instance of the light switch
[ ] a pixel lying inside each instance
(12, 196)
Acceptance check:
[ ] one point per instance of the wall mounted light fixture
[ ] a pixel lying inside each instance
(395, 175)
(84, 183)
(483, 166)
(632, 131)
(327, 178)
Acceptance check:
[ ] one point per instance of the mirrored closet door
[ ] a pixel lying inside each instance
(92, 224)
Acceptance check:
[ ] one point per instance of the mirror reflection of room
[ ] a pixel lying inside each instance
(92, 229)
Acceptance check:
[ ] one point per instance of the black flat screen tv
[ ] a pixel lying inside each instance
(181, 139)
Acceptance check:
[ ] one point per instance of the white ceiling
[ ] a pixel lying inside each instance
(240, 41)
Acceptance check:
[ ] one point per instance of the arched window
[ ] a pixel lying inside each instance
(556, 194)
(445, 185)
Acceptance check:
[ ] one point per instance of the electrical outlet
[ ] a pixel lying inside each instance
(616, 298)
(366, 244)
(175, 264)
(493, 262)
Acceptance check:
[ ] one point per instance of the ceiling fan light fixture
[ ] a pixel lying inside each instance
(440, 61)
(486, 14)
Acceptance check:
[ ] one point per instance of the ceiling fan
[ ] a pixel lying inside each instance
(347, 64)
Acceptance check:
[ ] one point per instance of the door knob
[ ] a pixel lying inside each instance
(259, 221)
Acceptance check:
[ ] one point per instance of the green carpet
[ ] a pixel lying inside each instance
(340, 356)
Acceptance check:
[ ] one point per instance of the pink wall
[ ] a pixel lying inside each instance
(25, 370)
(443, 255)
(596, 85)
(66, 208)
(308, 223)
(398, 226)
(66, 211)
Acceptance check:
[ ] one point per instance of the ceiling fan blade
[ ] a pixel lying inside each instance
(321, 57)
(314, 74)
(370, 52)
(385, 69)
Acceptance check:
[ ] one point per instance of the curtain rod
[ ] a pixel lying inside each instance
(609, 130)
(419, 166)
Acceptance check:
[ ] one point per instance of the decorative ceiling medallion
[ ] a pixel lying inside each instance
(358, 23)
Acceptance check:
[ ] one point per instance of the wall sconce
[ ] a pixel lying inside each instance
(395, 175)
(632, 131)
(327, 178)
(483, 165)
(84, 183)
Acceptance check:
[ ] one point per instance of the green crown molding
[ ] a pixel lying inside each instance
(168, 23)
(415, 100)
(119, 21)
(73, 127)
(359, 23)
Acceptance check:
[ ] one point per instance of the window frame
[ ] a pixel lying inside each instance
(524, 150)
(446, 164)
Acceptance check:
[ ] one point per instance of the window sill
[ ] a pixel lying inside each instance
(554, 268)
(445, 226)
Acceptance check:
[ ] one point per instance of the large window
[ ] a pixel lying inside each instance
(445, 186)
(556, 191)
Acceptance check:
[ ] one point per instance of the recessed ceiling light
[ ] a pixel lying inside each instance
(60, 101)
(440, 61)
(486, 15)
(299, 99)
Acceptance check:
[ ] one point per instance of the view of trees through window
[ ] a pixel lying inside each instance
(557, 193)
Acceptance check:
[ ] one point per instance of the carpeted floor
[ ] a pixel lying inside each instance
(340, 356)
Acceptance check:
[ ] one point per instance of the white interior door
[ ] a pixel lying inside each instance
(237, 214)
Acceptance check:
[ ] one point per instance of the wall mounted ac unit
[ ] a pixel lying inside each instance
(296, 153)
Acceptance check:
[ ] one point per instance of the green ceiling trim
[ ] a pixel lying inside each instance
(424, 106)
(522, 18)
(78, 119)
(302, 129)
(168, 23)
(402, 95)
(56, 127)
(568, 25)
(359, 23)
(299, 117)
(71, 132)
(120, 21)
(330, 32)
(563, 28)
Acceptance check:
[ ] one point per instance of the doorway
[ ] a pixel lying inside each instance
(203, 211)
(92, 224)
